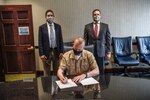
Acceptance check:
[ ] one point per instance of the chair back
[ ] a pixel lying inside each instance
(68, 43)
(122, 46)
(67, 48)
(87, 47)
(143, 45)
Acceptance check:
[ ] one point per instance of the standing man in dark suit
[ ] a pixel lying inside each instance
(50, 43)
(97, 33)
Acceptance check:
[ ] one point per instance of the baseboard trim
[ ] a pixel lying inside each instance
(15, 77)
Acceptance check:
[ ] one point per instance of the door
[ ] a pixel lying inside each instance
(2, 78)
(16, 33)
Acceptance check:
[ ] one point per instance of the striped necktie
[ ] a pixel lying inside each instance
(96, 30)
(52, 37)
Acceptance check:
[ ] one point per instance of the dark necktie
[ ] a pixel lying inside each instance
(96, 30)
(52, 37)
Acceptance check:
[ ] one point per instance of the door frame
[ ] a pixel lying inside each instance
(28, 22)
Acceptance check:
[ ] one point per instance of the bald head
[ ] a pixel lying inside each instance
(79, 44)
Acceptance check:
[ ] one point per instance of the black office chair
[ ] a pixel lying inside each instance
(67, 48)
(68, 43)
(91, 49)
(123, 53)
(87, 47)
(143, 44)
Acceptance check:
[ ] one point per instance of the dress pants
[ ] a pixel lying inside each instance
(101, 64)
(52, 61)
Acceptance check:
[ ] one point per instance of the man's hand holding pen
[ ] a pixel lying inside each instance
(64, 80)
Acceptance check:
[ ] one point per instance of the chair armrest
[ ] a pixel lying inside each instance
(143, 55)
(136, 54)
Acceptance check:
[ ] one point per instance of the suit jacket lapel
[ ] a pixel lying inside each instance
(56, 30)
(46, 30)
(100, 31)
(92, 29)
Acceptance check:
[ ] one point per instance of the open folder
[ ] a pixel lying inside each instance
(86, 81)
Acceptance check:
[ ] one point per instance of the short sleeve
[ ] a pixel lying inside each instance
(63, 63)
(92, 61)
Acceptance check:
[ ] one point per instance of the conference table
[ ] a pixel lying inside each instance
(41, 88)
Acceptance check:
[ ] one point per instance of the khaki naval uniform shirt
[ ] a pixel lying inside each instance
(84, 64)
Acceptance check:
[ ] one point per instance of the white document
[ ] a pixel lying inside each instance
(67, 85)
(89, 81)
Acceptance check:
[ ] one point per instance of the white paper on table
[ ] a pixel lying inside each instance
(89, 81)
(69, 84)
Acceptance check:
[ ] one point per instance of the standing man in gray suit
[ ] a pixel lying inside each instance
(98, 34)
(50, 43)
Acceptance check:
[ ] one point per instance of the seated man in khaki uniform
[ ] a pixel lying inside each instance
(81, 64)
